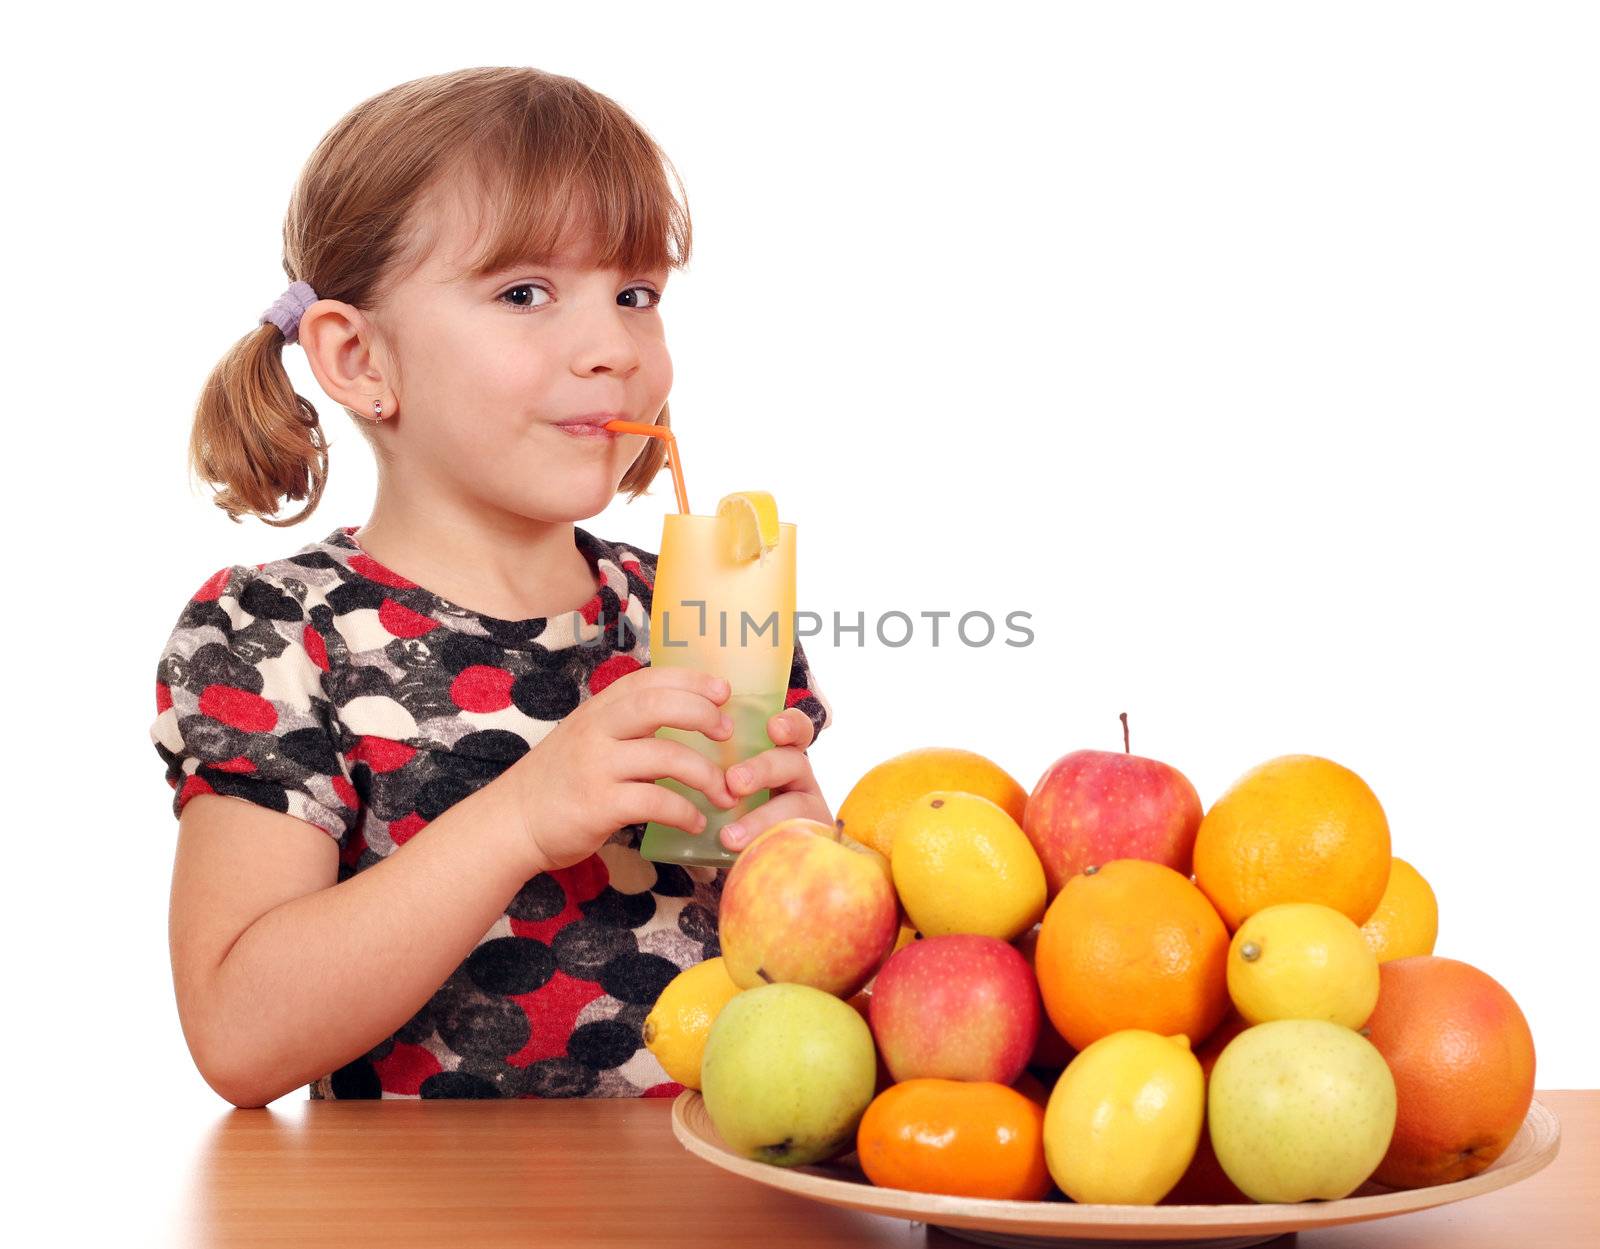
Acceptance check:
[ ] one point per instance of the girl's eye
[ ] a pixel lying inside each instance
(516, 291)
(520, 296)
(655, 296)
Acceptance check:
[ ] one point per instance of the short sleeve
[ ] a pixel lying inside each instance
(241, 707)
(805, 694)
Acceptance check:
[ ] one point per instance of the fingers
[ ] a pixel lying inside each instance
(645, 802)
(786, 806)
(651, 758)
(782, 767)
(713, 687)
(655, 707)
(791, 727)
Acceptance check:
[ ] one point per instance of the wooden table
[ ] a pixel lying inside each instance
(609, 1172)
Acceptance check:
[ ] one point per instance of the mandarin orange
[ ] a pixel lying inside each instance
(962, 1138)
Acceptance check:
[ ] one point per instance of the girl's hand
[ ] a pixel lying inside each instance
(786, 771)
(596, 770)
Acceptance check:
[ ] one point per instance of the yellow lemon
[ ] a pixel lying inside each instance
(885, 790)
(1302, 960)
(750, 519)
(1407, 919)
(1123, 1120)
(676, 1028)
(961, 864)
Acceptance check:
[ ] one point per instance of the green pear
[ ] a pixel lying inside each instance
(787, 1073)
(1300, 1108)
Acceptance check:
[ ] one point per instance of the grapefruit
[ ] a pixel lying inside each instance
(1462, 1057)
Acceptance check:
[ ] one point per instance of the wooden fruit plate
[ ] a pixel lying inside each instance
(1057, 1222)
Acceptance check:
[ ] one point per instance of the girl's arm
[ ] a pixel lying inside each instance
(282, 978)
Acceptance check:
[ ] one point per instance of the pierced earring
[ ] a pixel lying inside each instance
(377, 409)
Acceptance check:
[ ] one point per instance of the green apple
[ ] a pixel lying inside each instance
(1300, 1109)
(788, 1072)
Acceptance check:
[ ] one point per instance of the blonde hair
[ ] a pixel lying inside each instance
(546, 151)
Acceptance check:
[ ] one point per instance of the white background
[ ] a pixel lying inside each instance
(1250, 348)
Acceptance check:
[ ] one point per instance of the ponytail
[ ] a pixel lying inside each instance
(255, 437)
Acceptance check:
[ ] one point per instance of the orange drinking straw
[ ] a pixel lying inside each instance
(665, 434)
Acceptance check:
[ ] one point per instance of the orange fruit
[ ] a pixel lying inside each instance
(876, 800)
(1132, 945)
(1462, 1058)
(1297, 828)
(1407, 919)
(963, 1138)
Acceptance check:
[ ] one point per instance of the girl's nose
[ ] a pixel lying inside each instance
(604, 342)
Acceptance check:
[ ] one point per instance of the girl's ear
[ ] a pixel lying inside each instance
(341, 344)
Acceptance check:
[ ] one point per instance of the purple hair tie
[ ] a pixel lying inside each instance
(285, 313)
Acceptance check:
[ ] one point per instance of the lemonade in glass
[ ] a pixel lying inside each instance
(723, 603)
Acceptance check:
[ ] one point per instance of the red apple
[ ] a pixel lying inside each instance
(961, 1007)
(1093, 806)
(799, 907)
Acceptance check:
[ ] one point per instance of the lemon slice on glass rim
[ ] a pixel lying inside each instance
(750, 520)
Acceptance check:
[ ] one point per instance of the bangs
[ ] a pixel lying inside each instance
(572, 183)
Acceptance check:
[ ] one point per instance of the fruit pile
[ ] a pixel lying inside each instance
(1096, 991)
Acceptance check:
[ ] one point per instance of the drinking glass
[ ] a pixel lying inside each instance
(733, 619)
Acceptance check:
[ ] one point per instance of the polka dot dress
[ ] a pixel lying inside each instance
(328, 687)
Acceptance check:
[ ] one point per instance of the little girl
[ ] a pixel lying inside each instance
(442, 724)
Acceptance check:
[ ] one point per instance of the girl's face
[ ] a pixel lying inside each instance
(484, 369)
